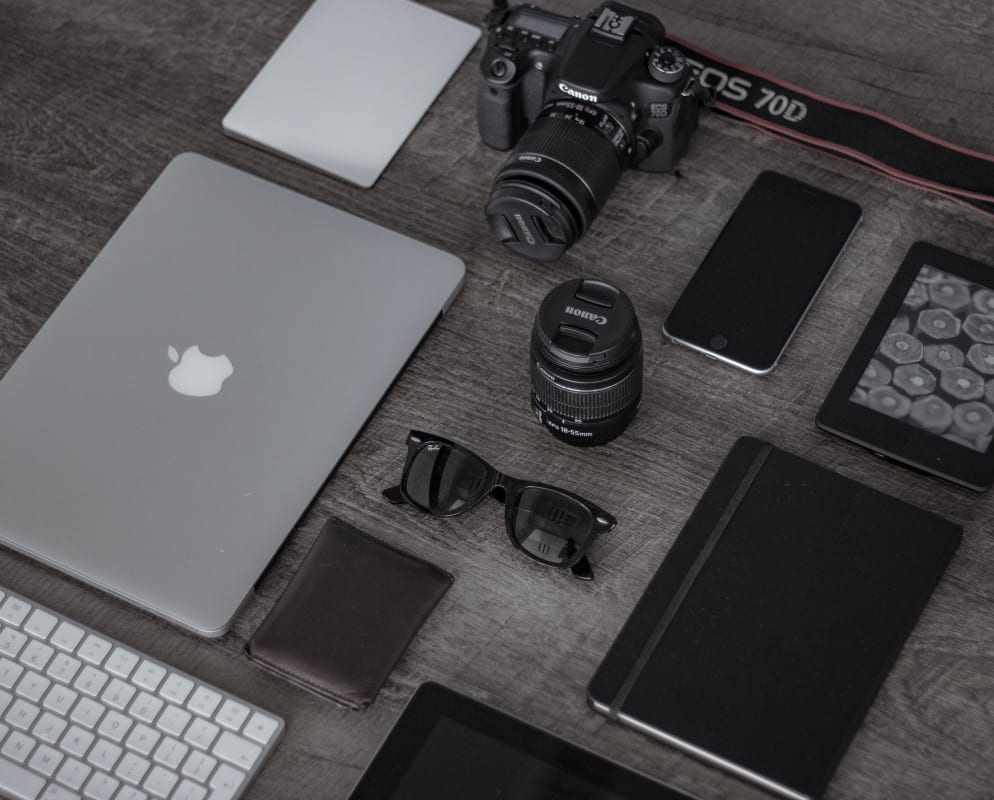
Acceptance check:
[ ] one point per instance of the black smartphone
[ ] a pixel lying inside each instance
(763, 272)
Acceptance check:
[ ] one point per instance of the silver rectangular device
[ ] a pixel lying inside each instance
(349, 83)
(165, 429)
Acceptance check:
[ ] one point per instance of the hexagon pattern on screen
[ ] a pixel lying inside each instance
(934, 369)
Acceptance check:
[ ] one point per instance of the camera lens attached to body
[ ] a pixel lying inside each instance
(586, 362)
(556, 181)
(580, 99)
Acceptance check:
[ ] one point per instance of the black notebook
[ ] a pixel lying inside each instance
(774, 619)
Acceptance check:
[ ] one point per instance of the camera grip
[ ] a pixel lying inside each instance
(499, 114)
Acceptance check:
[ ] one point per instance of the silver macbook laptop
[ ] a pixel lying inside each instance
(167, 426)
(350, 82)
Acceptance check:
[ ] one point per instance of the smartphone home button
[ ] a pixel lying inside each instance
(718, 342)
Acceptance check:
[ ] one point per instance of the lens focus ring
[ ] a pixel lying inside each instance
(587, 404)
(581, 150)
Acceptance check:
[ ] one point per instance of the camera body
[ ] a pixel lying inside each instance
(616, 59)
(580, 99)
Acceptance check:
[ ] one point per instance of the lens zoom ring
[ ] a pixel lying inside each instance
(587, 405)
(581, 149)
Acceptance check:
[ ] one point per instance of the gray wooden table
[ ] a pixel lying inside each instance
(97, 96)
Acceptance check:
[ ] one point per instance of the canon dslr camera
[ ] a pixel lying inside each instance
(582, 98)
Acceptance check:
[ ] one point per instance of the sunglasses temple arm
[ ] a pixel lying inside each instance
(582, 570)
(393, 494)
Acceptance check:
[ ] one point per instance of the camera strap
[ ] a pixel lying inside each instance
(865, 137)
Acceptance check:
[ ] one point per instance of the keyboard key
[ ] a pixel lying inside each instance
(22, 714)
(261, 727)
(63, 668)
(122, 662)
(115, 726)
(176, 689)
(160, 782)
(204, 701)
(73, 773)
(46, 760)
(199, 766)
(60, 699)
(131, 793)
(173, 720)
(87, 712)
(101, 787)
(142, 739)
(17, 782)
(118, 694)
(49, 728)
(13, 611)
(67, 636)
(56, 792)
(226, 781)
(11, 642)
(201, 733)
(32, 686)
(232, 714)
(94, 649)
(91, 681)
(188, 790)
(104, 755)
(18, 747)
(149, 676)
(5, 700)
(236, 750)
(40, 623)
(171, 753)
(132, 768)
(9, 673)
(76, 741)
(146, 708)
(36, 655)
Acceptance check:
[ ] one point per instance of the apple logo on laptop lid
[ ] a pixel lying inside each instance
(196, 374)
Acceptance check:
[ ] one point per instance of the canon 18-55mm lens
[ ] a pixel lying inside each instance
(586, 362)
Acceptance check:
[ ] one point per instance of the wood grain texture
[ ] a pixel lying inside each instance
(97, 97)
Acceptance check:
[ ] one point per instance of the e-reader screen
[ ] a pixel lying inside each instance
(934, 367)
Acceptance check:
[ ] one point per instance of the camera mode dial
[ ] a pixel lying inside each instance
(667, 64)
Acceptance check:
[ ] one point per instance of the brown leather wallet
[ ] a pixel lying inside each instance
(347, 616)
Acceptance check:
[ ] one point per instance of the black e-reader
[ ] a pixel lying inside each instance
(447, 746)
(919, 386)
(767, 630)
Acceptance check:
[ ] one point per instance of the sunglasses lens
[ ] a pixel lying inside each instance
(443, 479)
(551, 526)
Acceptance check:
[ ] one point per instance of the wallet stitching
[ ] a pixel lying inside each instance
(320, 688)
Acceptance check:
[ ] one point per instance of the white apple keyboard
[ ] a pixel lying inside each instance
(83, 716)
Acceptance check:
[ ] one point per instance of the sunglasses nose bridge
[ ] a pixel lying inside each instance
(497, 489)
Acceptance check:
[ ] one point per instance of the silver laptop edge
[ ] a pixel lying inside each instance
(176, 415)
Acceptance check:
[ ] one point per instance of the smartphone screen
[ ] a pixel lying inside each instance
(762, 273)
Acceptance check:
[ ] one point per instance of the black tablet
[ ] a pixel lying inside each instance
(919, 387)
(447, 746)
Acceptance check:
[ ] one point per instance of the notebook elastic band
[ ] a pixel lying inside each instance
(688, 581)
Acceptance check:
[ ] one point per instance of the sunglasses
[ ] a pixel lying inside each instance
(551, 525)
